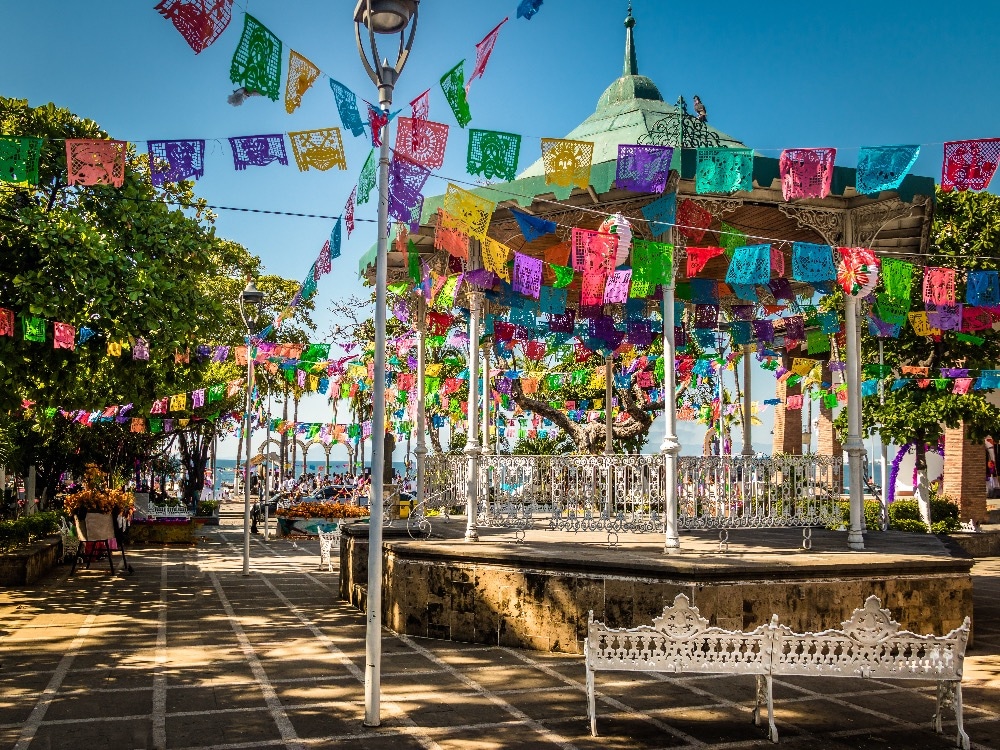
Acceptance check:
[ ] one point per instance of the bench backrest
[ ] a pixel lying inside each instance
(870, 644)
(680, 640)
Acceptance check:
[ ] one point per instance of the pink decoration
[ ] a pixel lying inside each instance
(376, 120)
(806, 172)
(794, 402)
(422, 141)
(322, 264)
(95, 162)
(616, 288)
(63, 336)
(6, 322)
(939, 286)
(592, 290)
(969, 165)
(198, 398)
(483, 51)
(593, 252)
(962, 385)
(200, 22)
(349, 212)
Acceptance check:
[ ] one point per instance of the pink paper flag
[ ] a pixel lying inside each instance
(806, 172)
(962, 385)
(483, 51)
(616, 288)
(939, 286)
(349, 212)
(592, 291)
(63, 336)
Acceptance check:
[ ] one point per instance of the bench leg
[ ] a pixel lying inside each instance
(962, 739)
(761, 699)
(772, 729)
(591, 703)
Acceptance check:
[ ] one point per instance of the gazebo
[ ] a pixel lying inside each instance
(664, 491)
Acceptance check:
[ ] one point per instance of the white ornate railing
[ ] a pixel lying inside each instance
(626, 492)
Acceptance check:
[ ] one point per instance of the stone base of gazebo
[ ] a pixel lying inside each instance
(536, 594)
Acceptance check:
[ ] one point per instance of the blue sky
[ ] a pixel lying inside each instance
(775, 75)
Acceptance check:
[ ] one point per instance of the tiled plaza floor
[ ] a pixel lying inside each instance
(187, 653)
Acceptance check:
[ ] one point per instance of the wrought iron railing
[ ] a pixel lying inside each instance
(626, 492)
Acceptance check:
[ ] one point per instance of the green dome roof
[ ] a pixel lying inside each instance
(626, 89)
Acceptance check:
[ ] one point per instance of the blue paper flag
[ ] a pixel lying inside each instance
(812, 262)
(982, 288)
(661, 213)
(533, 227)
(527, 8)
(335, 240)
(883, 167)
(347, 105)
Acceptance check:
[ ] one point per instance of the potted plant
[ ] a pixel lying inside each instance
(96, 508)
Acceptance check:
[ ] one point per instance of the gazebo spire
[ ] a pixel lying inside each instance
(631, 65)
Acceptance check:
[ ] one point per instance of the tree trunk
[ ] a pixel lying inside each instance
(295, 419)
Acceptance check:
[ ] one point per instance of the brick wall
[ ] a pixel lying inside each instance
(787, 424)
(965, 474)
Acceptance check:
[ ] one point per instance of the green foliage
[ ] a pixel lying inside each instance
(904, 515)
(873, 515)
(27, 529)
(458, 442)
(208, 507)
(965, 235)
(544, 446)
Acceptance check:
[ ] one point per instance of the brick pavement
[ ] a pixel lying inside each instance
(188, 653)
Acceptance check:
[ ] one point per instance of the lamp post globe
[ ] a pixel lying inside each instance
(250, 295)
(385, 16)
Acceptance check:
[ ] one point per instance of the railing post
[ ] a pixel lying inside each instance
(609, 428)
(421, 450)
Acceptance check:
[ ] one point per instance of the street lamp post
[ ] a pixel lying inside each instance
(382, 17)
(249, 296)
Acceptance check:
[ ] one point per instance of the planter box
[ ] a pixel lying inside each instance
(23, 567)
(206, 520)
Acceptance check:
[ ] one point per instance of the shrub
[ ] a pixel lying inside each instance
(27, 529)
(909, 524)
(904, 515)
(207, 507)
(873, 516)
(904, 510)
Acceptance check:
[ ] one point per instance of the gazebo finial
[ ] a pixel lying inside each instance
(631, 65)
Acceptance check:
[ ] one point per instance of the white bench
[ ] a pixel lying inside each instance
(870, 644)
(327, 541)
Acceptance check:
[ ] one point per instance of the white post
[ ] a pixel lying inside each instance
(670, 447)
(472, 433)
(854, 445)
(487, 395)
(609, 448)
(747, 405)
(885, 448)
(246, 460)
(373, 614)
(267, 467)
(421, 450)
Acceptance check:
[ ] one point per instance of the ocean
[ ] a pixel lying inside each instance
(227, 467)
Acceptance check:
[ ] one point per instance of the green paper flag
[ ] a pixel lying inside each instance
(19, 159)
(453, 86)
(564, 276)
(413, 262)
(830, 400)
(969, 338)
(366, 180)
(446, 297)
(431, 385)
(493, 154)
(877, 371)
(155, 425)
(215, 393)
(256, 63)
(897, 275)
(731, 238)
(817, 341)
(399, 288)
(33, 328)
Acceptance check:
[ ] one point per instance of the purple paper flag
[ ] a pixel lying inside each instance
(527, 275)
(616, 287)
(173, 161)
(406, 180)
(643, 169)
(258, 150)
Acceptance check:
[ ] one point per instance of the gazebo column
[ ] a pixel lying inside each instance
(609, 428)
(670, 447)
(421, 450)
(854, 445)
(472, 432)
(484, 449)
(747, 403)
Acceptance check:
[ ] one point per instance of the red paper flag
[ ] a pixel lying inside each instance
(806, 172)
(6, 322)
(349, 212)
(63, 336)
(969, 165)
(483, 51)
(693, 220)
(698, 257)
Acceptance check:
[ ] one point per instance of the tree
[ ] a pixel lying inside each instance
(124, 262)
(965, 235)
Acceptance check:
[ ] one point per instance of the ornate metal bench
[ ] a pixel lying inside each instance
(327, 541)
(869, 644)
